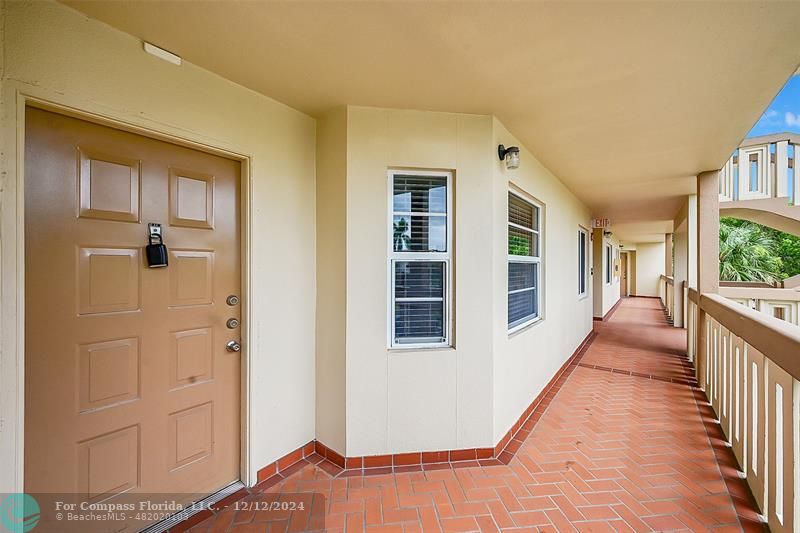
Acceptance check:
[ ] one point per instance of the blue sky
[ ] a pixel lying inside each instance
(783, 114)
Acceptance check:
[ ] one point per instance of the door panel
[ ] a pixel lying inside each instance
(128, 383)
(623, 286)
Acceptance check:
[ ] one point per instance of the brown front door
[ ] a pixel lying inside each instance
(128, 383)
(623, 284)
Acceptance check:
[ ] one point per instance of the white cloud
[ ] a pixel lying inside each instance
(771, 113)
(792, 119)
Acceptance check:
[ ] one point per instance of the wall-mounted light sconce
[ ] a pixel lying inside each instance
(510, 155)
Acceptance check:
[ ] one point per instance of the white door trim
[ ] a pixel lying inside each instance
(12, 262)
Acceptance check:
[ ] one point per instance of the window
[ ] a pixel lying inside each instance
(524, 262)
(419, 258)
(583, 261)
(608, 260)
(616, 264)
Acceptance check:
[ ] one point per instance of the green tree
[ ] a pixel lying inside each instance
(747, 253)
(518, 245)
(401, 239)
(789, 252)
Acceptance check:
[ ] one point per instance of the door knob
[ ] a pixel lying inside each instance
(232, 323)
(233, 346)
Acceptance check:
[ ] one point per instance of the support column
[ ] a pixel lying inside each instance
(708, 232)
(707, 255)
(680, 274)
(691, 268)
(597, 271)
(668, 254)
(684, 238)
(691, 235)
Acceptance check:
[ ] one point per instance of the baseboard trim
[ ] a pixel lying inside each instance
(316, 452)
(608, 314)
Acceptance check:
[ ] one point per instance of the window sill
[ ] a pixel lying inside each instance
(516, 330)
(583, 296)
(399, 350)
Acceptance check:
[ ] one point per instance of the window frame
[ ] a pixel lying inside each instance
(585, 277)
(537, 259)
(435, 257)
(617, 265)
(608, 274)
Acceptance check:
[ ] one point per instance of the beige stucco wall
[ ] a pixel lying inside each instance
(408, 400)
(468, 395)
(649, 267)
(526, 360)
(606, 294)
(331, 278)
(611, 290)
(56, 54)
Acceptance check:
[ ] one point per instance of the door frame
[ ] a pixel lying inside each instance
(12, 257)
(627, 272)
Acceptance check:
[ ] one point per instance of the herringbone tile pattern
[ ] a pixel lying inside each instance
(622, 447)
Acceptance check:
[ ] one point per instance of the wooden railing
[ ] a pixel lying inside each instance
(666, 292)
(783, 304)
(762, 167)
(748, 364)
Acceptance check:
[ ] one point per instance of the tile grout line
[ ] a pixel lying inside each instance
(665, 379)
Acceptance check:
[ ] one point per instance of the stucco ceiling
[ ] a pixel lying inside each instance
(622, 101)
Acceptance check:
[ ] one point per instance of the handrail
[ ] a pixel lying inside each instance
(776, 339)
(693, 296)
(759, 293)
(769, 139)
(749, 284)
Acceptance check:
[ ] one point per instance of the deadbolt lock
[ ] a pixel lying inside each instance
(232, 323)
(233, 346)
(232, 300)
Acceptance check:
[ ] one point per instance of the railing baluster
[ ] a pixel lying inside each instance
(756, 421)
(796, 448)
(709, 358)
(687, 323)
(739, 432)
(715, 372)
(781, 449)
(724, 401)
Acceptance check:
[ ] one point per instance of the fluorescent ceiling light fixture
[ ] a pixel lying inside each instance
(162, 54)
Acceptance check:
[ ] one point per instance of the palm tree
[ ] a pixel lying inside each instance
(747, 254)
(401, 240)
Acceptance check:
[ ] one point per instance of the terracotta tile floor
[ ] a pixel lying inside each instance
(627, 444)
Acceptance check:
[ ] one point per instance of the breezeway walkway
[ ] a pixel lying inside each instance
(626, 444)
